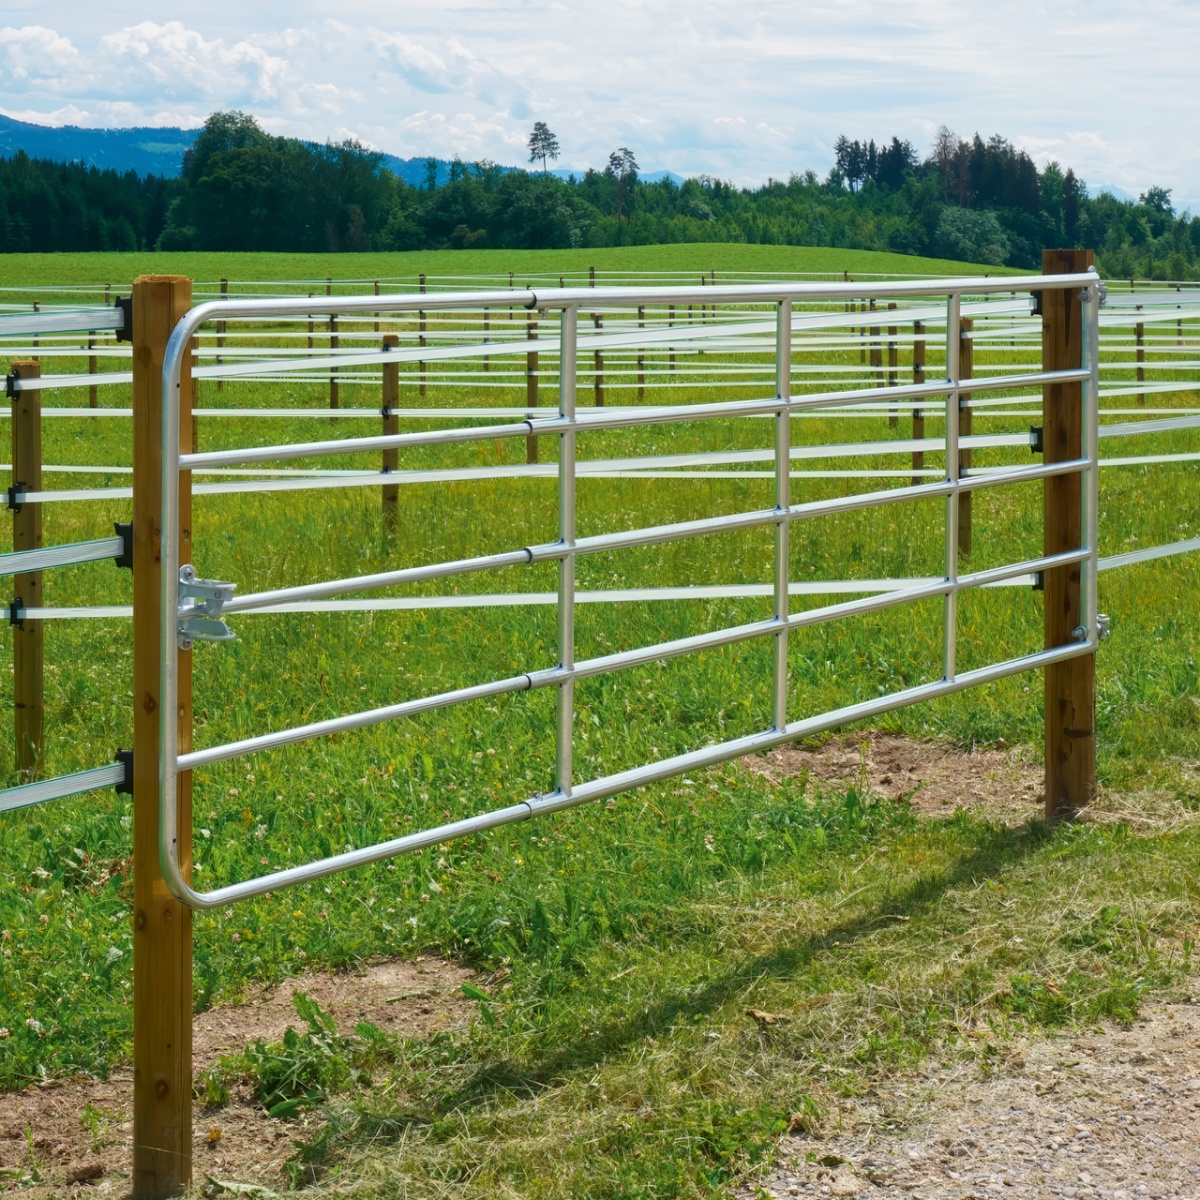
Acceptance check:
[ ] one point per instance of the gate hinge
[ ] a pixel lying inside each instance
(200, 604)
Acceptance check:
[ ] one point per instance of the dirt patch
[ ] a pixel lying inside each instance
(935, 777)
(74, 1136)
(1114, 1114)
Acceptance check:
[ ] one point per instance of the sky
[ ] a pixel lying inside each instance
(744, 91)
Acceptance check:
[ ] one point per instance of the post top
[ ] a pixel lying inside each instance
(163, 279)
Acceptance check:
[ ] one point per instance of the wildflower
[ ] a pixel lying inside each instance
(4, 1032)
(249, 778)
(424, 898)
(234, 792)
(43, 919)
(7, 952)
(235, 938)
(491, 753)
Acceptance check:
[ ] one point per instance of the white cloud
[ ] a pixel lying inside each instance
(742, 91)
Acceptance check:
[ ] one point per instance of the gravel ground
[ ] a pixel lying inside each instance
(1113, 1113)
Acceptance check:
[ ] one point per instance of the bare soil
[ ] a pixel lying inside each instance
(74, 1136)
(1114, 1114)
(934, 777)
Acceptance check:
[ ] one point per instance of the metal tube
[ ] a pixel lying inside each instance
(364, 583)
(342, 724)
(568, 338)
(782, 565)
(1091, 449)
(950, 617)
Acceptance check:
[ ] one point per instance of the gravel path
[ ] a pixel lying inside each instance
(1112, 1113)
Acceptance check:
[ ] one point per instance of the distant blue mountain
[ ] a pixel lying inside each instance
(147, 151)
(159, 151)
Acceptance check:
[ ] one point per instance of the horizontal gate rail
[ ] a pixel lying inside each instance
(68, 555)
(567, 426)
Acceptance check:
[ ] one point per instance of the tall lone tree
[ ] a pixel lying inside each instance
(622, 166)
(542, 144)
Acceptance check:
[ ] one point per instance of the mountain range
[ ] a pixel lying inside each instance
(160, 151)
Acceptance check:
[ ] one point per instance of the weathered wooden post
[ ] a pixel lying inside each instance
(391, 424)
(1140, 333)
(221, 331)
(421, 335)
(641, 357)
(28, 635)
(893, 364)
(918, 418)
(598, 322)
(531, 387)
(93, 390)
(487, 313)
(334, 342)
(377, 310)
(876, 352)
(671, 325)
(1070, 687)
(966, 370)
(162, 927)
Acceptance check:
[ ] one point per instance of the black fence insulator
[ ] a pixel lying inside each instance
(125, 304)
(125, 533)
(125, 757)
(16, 612)
(1035, 439)
(14, 490)
(10, 385)
(1037, 304)
(1039, 581)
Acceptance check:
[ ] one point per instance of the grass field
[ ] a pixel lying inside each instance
(22, 270)
(611, 1056)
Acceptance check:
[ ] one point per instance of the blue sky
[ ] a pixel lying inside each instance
(740, 90)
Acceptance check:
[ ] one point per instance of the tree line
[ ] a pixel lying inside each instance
(243, 189)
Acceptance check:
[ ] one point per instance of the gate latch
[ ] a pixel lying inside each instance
(200, 604)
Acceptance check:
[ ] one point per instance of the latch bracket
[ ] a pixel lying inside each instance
(200, 604)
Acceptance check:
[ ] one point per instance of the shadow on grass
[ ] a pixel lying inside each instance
(997, 850)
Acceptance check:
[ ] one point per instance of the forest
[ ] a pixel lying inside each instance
(241, 188)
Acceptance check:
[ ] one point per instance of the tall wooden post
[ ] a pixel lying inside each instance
(918, 458)
(28, 636)
(421, 335)
(221, 331)
(531, 387)
(893, 365)
(391, 424)
(641, 357)
(1140, 333)
(876, 353)
(487, 314)
(598, 322)
(670, 325)
(377, 310)
(93, 390)
(1070, 687)
(162, 927)
(966, 370)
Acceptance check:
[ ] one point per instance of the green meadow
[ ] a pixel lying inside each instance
(620, 943)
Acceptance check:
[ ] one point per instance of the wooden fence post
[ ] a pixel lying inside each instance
(162, 927)
(641, 357)
(531, 386)
(421, 334)
(487, 313)
(377, 310)
(28, 635)
(893, 365)
(1070, 687)
(391, 424)
(334, 342)
(671, 325)
(966, 370)
(221, 331)
(93, 390)
(1140, 333)
(598, 322)
(876, 352)
(918, 418)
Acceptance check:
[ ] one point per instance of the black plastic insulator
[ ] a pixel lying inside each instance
(1036, 444)
(125, 304)
(125, 757)
(16, 612)
(125, 533)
